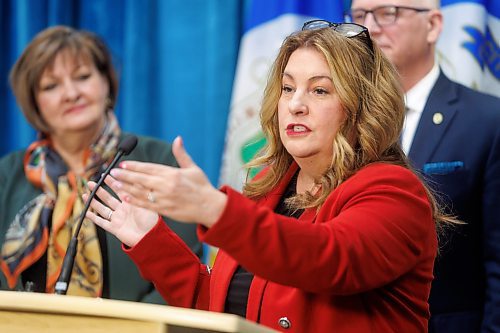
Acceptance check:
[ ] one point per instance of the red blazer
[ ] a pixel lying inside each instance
(362, 263)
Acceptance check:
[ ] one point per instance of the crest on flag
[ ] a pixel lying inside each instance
(468, 48)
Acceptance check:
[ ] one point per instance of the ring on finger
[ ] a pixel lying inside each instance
(151, 196)
(110, 214)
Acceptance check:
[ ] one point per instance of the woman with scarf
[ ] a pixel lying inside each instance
(66, 86)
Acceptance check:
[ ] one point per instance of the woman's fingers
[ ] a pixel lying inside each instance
(143, 190)
(128, 192)
(105, 196)
(103, 210)
(127, 222)
(132, 178)
(103, 223)
(181, 154)
(151, 169)
(116, 187)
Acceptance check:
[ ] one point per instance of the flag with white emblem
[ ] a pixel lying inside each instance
(468, 48)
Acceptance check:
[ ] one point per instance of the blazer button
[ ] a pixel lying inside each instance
(284, 322)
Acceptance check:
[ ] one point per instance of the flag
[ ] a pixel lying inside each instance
(267, 23)
(468, 48)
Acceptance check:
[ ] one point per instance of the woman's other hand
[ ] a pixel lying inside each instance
(127, 222)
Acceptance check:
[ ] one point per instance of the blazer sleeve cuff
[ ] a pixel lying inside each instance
(236, 204)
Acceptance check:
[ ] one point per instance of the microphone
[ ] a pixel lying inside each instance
(124, 148)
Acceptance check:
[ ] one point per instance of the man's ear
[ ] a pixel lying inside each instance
(435, 25)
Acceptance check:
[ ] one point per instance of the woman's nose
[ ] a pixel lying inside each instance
(71, 92)
(297, 104)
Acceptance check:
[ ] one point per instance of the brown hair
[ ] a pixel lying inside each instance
(40, 54)
(369, 90)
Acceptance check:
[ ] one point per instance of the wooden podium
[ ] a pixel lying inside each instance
(34, 312)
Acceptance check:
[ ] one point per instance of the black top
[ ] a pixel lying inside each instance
(237, 293)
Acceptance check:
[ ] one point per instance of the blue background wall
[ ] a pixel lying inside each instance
(176, 61)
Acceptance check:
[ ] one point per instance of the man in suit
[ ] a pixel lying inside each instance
(452, 135)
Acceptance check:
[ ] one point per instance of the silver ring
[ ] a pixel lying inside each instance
(109, 215)
(151, 197)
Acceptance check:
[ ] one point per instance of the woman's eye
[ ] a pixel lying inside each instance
(83, 77)
(286, 89)
(320, 91)
(47, 87)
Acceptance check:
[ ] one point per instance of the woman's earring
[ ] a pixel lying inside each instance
(109, 103)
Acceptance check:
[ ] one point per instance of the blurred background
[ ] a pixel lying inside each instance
(176, 61)
(196, 68)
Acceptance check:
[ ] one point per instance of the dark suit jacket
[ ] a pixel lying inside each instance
(121, 278)
(460, 157)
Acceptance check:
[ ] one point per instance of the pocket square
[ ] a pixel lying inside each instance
(442, 168)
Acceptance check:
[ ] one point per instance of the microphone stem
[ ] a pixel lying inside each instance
(92, 194)
(62, 283)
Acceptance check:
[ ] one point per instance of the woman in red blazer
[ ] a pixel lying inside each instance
(336, 234)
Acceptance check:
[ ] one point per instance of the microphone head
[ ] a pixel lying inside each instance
(128, 144)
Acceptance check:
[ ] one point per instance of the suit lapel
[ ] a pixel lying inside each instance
(440, 104)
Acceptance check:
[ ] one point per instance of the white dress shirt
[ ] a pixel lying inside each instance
(415, 100)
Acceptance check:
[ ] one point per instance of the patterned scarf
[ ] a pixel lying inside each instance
(58, 208)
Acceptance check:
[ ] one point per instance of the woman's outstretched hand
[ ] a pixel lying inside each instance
(127, 222)
(184, 194)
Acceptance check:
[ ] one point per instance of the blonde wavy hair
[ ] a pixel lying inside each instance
(369, 90)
